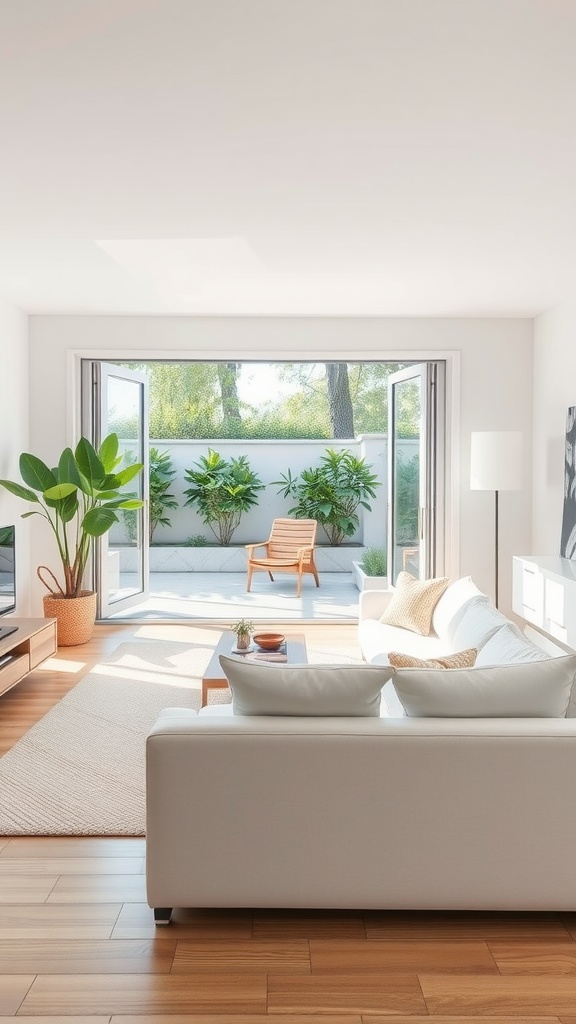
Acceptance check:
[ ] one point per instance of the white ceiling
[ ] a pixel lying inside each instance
(344, 157)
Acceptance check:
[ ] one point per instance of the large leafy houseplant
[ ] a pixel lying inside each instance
(79, 499)
(222, 490)
(332, 492)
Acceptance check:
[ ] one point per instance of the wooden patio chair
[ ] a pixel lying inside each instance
(290, 548)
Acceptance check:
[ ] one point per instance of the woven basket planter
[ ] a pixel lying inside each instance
(75, 616)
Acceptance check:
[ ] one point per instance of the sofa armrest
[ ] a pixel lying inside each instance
(173, 720)
(373, 603)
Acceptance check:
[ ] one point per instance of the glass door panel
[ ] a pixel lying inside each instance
(415, 470)
(120, 406)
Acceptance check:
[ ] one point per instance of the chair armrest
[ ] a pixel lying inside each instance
(251, 547)
(305, 553)
(373, 603)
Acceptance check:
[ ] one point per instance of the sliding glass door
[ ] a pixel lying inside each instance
(416, 442)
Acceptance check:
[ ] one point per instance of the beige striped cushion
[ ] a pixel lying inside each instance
(463, 659)
(413, 603)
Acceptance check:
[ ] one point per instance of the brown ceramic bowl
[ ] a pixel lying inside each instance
(269, 641)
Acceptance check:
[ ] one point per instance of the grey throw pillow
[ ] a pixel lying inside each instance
(313, 690)
(531, 690)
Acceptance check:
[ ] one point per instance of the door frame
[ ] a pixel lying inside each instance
(451, 357)
(93, 393)
(430, 532)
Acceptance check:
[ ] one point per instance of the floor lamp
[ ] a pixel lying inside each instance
(496, 465)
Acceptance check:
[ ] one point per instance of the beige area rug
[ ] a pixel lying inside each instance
(80, 770)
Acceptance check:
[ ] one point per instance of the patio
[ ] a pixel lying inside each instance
(222, 595)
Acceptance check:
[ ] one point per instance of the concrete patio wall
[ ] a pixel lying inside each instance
(269, 459)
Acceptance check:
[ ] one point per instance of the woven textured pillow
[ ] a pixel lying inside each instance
(413, 603)
(463, 659)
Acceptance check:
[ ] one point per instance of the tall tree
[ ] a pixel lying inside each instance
(228, 380)
(184, 399)
(339, 400)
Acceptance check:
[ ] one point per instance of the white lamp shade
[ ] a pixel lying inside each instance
(496, 460)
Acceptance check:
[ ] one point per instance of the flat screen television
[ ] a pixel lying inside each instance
(7, 569)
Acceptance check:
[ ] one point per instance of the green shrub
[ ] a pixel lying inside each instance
(222, 490)
(332, 492)
(407, 499)
(161, 475)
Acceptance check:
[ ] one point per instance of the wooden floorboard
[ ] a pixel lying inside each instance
(339, 993)
(78, 943)
(473, 994)
(336, 957)
(146, 993)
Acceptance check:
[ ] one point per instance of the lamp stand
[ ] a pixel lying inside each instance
(496, 465)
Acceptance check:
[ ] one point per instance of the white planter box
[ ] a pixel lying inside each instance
(233, 558)
(364, 582)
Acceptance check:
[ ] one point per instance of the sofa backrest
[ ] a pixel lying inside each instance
(360, 812)
(451, 606)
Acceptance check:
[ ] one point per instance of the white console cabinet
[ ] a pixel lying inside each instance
(544, 593)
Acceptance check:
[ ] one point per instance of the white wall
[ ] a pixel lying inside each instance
(269, 462)
(14, 438)
(554, 391)
(495, 390)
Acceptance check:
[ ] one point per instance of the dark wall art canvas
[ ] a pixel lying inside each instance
(568, 540)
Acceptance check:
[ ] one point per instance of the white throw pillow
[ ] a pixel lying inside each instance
(532, 690)
(325, 690)
(479, 622)
(450, 608)
(509, 646)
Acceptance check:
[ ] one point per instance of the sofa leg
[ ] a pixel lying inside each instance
(162, 915)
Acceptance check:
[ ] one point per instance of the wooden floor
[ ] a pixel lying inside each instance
(78, 944)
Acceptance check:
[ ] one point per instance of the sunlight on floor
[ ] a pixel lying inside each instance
(60, 665)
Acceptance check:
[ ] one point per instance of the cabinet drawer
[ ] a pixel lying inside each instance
(532, 589)
(529, 592)
(42, 645)
(13, 671)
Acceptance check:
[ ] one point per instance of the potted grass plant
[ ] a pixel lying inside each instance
(242, 630)
(371, 573)
(79, 499)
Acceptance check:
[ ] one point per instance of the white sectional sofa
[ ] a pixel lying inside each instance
(463, 617)
(337, 811)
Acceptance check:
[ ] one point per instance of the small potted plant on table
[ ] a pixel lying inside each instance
(243, 632)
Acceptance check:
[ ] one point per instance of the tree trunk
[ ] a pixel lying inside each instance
(339, 401)
(227, 376)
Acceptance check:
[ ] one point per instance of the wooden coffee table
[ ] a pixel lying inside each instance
(214, 678)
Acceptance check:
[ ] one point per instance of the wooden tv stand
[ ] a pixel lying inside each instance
(33, 642)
